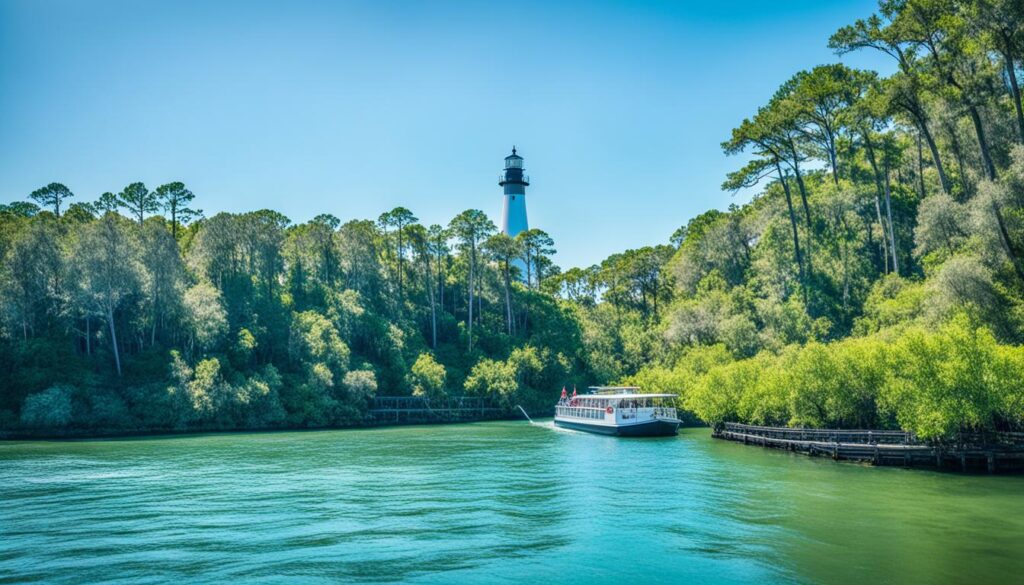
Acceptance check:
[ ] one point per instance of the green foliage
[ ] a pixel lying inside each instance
(174, 199)
(361, 385)
(682, 377)
(314, 339)
(139, 201)
(527, 378)
(244, 348)
(891, 302)
(935, 383)
(493, 378)
(874, 279)
(50, 408)
(718, 394)
(206, 319)
(52, 195)
(953, 379)
(427, 377)
(204, 396)
(204, 390)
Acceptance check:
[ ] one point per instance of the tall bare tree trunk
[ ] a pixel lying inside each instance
(1011, 74)
(833, 158)
(885, 235)
(472, 262)
(990, 171)
(655, 293)
(878, 194)
(796, 233)
(152, 331)
(508, 298)
(113, 339)
(440, 281)
(958, 154)
(922, 126)
(807, 211)
(479, 301)
(892, 226)
(986, 155)
(401, 304)
(433, 312)
(844, 255)
(1004, 236)
(920, 168)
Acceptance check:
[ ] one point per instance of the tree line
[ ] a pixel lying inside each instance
(135, 312)
(876, 278)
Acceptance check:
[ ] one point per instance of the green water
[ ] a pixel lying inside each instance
(490, 503)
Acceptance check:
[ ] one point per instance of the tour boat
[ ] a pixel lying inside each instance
(618, 410)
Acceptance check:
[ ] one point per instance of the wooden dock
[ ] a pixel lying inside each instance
(989, 452)
(391, 410)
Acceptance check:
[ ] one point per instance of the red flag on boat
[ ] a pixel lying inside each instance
(574, 392)
(563, 392)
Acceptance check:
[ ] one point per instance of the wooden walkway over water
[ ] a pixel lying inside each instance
(991, 452)
(421, 410)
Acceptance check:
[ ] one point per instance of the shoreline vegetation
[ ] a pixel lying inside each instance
(876, 279)
(71, 434)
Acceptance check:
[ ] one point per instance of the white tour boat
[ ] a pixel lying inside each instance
(622, 411)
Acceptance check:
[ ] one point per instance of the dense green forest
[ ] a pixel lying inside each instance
(876, 279)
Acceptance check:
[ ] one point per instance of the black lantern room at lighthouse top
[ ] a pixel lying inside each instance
(513, 180)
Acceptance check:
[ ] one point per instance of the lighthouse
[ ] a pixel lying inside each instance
(513, 215)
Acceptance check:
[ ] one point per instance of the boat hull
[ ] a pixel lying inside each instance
(654, 428)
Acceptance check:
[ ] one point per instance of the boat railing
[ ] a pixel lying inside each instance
(865, 436)
(592, 412)
(665, 412)
(655, 411)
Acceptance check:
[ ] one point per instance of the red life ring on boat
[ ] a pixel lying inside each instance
(609, 410)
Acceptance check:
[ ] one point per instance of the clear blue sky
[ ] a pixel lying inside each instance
(353, 108)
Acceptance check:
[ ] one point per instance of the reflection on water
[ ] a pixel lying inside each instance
(492, 502)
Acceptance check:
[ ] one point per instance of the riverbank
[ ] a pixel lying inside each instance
(991, 453)
(90, 434)
(384, 411)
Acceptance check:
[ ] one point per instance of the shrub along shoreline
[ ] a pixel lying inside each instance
(114, 433)
(934, 382)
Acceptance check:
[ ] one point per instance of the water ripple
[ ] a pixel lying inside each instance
(494, 503)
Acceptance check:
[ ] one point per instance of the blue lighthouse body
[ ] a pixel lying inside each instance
(513, 215)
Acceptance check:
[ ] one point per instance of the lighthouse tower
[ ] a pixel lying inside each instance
(513, 216)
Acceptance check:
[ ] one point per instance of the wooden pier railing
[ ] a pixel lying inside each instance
(828, 435)
(420, 409)
(992, 452)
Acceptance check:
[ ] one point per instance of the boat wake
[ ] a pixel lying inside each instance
(550, 425)
(546, 424)
(522, 410)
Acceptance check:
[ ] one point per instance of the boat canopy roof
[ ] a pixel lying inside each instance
(614, 389)
(626, 396)
(609, 393)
